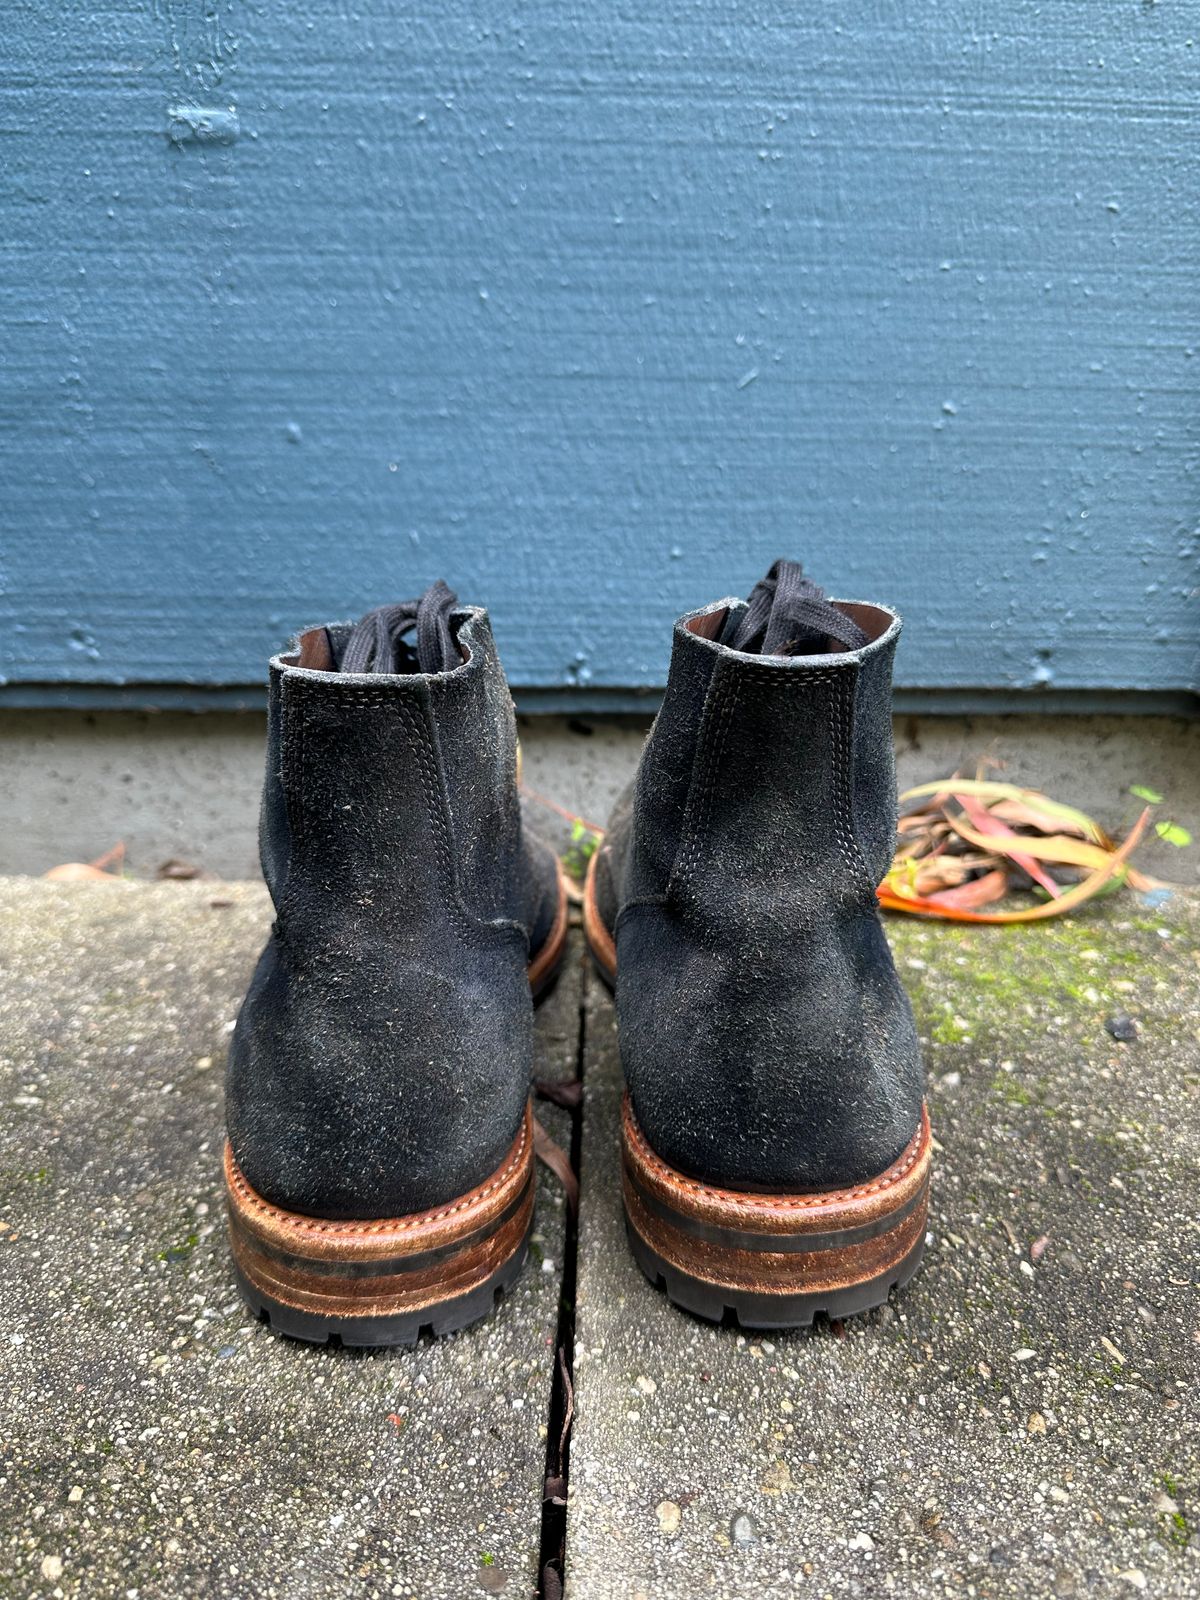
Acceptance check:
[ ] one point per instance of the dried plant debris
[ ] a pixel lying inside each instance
(968, 843)
(109, 866)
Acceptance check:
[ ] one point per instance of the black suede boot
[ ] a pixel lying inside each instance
(775, 1143)
(380, 1156)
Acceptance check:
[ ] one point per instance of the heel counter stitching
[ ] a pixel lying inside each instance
(695, 816)
(725, 699)
(291, 762)
(432, 782)
(841, 718)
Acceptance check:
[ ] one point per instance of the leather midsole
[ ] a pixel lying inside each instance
(776, 1244)
(387, 1266)
(544, 964)
(600, 940)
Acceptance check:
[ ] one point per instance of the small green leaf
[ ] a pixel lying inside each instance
(585, 841)
(1172, 833)
(1150, 796)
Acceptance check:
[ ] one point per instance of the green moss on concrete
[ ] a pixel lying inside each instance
(949, 1029)
(180, 1251)
(969, 985)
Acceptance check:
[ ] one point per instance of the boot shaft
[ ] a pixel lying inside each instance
(392, 796)
(765, 1038)
(381, 1060)
(767, 782)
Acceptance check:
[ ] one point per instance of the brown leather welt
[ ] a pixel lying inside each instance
(366, 1240)
(548, 956)
(389, 1266)
(776, 1272)
(794, 1241)
(778, 1213)
(389, 1294)
(600, 941)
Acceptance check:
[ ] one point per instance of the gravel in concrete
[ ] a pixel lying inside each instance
(156, 1442)
(1023, 1419)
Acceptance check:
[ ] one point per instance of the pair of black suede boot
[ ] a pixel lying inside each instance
(775, 1145)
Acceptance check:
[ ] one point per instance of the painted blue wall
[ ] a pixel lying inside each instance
(594, 312)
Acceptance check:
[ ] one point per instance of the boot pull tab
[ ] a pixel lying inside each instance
(316, 652)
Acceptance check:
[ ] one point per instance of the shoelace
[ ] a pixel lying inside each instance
(378, 642)
(788, 615)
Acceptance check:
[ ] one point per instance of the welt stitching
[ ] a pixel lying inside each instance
(389, 1225)
(369, 698)
(434, 804)
(886, 1180)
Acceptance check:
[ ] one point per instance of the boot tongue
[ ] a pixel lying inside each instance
(788, 615)
(379, 643)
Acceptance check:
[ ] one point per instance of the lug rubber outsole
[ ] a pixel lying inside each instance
(775, 1260)
(405, 1330)
(383, 1281)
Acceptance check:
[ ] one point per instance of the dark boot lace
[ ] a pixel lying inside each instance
(788, 615)
(378, 643)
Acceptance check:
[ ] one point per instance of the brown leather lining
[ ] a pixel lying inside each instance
(873, 621)
(709, 624)
(316, 653)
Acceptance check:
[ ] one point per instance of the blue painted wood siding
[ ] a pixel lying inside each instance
(594, 309)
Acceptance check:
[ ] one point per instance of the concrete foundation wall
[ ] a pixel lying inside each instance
(186, 787)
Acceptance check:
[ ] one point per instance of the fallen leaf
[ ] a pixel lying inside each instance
(987, 790)
(983, 891)
(1075, 896)
(988, 828)
(78, 872)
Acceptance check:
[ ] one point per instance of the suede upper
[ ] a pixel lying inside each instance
(765, 1037)
(380, 1064)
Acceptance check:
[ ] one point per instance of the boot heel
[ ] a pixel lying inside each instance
(774, 1260)
(383, 1282)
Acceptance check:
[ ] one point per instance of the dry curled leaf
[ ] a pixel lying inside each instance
(107, 867)
(970, 843)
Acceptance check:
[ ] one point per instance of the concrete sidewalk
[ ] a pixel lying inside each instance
(1022, 1421)
(157, 1442)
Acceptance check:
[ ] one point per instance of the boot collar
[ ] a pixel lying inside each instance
(698, 630)
(472, 630)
